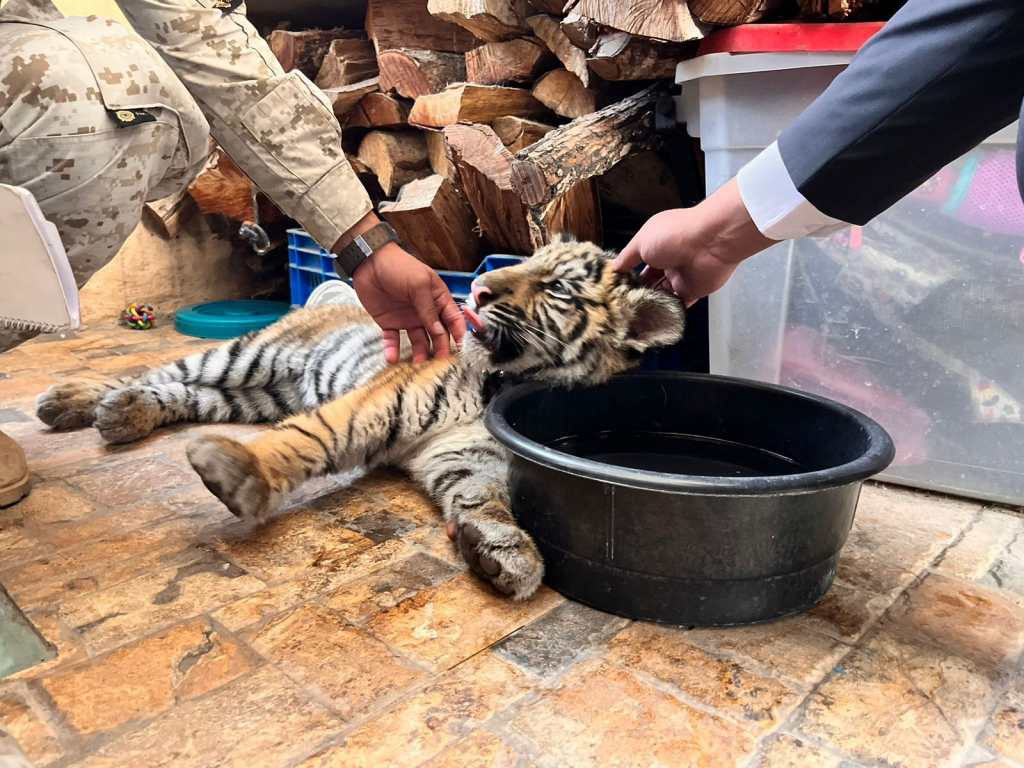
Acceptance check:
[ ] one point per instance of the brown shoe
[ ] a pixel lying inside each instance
(14, 482)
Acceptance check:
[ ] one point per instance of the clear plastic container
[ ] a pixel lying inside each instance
(916, 319)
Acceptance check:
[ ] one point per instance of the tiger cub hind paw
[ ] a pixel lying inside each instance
(128, 414)
(502, 555)
(71, 405)
(231, 472)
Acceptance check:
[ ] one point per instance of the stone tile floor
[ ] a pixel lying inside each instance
(347, 632)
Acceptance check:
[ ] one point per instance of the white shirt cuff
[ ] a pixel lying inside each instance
(775, 204)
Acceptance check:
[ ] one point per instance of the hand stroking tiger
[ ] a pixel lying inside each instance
(564, 317)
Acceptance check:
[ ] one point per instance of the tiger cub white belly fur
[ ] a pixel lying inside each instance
(564, 317)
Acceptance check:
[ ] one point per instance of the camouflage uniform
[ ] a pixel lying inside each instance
(94, 123)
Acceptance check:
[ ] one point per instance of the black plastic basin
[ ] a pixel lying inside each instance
(685, 498)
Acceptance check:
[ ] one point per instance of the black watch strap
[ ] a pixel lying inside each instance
(363, 247)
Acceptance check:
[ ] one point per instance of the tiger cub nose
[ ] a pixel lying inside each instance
(481, 294)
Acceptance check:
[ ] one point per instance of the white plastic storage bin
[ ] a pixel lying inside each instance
(916, 319)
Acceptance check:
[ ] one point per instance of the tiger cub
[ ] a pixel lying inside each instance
(564, 317)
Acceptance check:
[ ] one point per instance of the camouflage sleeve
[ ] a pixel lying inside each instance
(279, 128)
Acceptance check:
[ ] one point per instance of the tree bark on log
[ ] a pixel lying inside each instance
(345, 97)
(473, 104)
(408, 24)
(584, 148)
(432, 218)
(732, 12)
(553, 7)
(412, 73)
(573, 59)
(563, 93)
(437, 153)
(488, 20)
(582, 32)
(515, 61)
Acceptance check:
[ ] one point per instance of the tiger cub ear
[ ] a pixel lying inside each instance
(655, 319)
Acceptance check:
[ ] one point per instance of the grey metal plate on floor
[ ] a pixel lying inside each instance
(21, 646)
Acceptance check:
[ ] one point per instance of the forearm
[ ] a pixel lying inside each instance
(941, 77)
(278, 127)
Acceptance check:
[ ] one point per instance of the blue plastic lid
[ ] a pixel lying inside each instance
(228, 319)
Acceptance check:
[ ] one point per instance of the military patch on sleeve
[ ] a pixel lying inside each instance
(129, 117)
(227, 6)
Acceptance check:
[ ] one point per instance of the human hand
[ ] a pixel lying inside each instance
(402, 293)
(695, 250)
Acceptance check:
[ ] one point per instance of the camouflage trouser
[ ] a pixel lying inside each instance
(279, 128)
(60, 139)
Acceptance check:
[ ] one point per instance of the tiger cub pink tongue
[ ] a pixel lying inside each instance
(475, 320)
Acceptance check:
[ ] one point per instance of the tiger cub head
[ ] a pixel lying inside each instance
(567, 317)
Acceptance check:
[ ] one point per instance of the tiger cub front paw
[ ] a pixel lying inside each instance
(502, 554)
(71, 405)
(129, 414)
(233, 475)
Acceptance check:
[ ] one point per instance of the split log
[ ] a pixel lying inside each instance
(395, 157)
(554, 7)
(585, 148)
(660, 19)
(577, 213)
(437, 153)
(368, 179)
(484, 168)
(732, 12)
(473, 104)
(345, 97)
(642, 184)
(378, 110)
(169, 214)
(488, 20)
(621, 56)
(517, 133)
(408, 24)
(563, 93)
(412, 73)
(515, 61)
(582, 31)
(347, 61)
(436, 223)
(305, 50)
(551, 34)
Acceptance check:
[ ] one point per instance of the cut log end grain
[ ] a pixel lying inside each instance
(621, 56)
(395, 157)
(378, 110)
(581, 31)
(408, 24)
(563, 93)
(517, 133)
(434, 221)
(437, 153)
(658, 19)
(469, 103)
(347, 61)
(732, 11)
(412, 73)
(345, 97)
(514, 61)
(305, 50)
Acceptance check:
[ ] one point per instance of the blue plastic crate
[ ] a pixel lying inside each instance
(309, 265)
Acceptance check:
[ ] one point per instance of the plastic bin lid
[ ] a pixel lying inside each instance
(228, 319)
(790, 38)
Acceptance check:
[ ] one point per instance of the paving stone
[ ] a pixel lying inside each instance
(479, 749)
(784, 751)
(442, 626)
(422, 726)
(34, 736)
(906, 704)
(760, 702)
(980, 547)
(557, 639)
(259, 720)
(389, 586)
(146, 678)
(1005, 734)
(602, 715)
(315, 647)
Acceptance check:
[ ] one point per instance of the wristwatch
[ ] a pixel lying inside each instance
(363, 247)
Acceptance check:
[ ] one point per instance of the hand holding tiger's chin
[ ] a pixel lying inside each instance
(564, 316)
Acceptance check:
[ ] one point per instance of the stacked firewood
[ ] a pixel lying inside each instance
(493, 125)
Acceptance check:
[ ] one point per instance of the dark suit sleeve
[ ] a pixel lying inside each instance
(941, 77)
